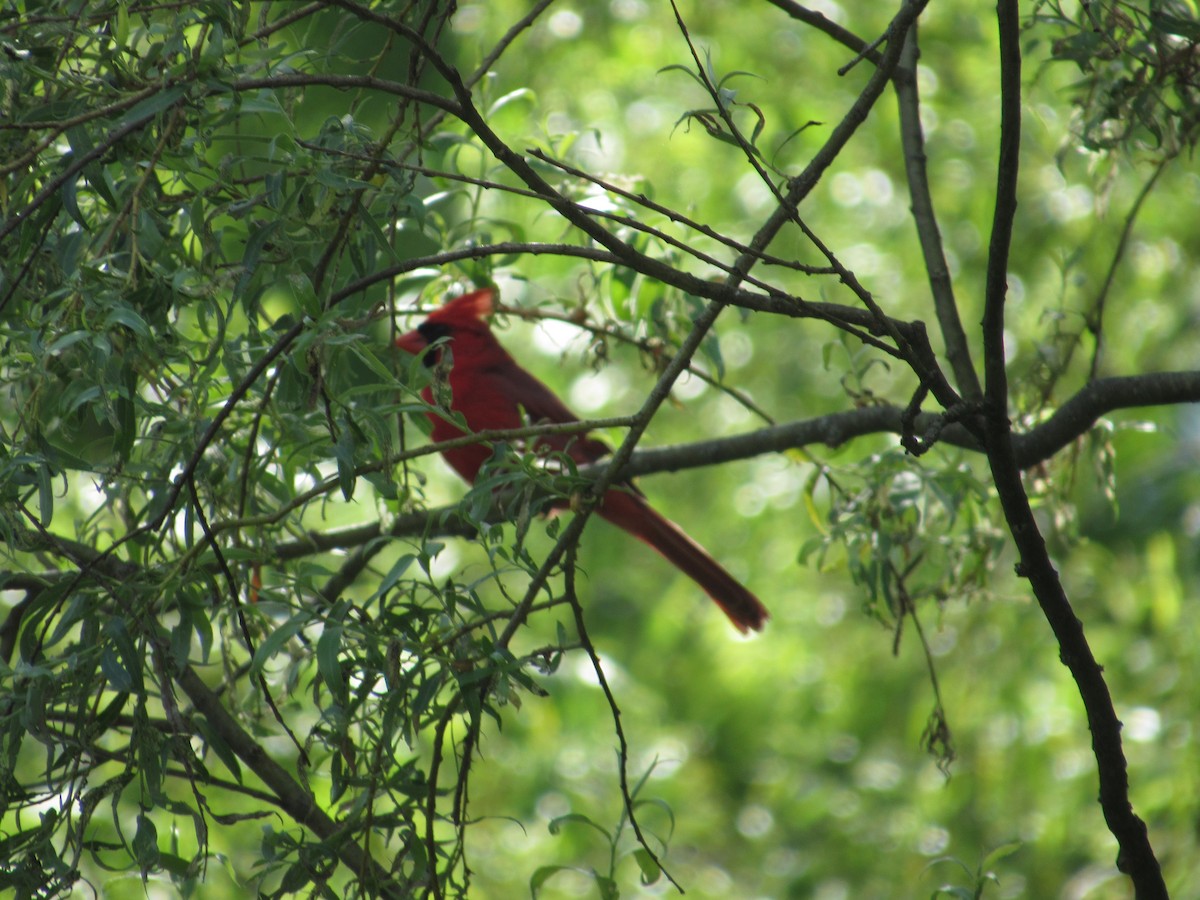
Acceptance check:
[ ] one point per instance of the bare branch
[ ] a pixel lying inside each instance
(1136, 857)
(828, 26)
(912, 138)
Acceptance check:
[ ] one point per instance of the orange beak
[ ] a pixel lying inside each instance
(412, 342)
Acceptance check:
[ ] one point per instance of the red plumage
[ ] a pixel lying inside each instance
(492, 391)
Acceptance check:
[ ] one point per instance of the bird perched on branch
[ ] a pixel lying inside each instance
(492, 391)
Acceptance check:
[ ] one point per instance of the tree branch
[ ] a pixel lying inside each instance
(1070, 422)
(912, 139)
(818, 21)
(1136, 857)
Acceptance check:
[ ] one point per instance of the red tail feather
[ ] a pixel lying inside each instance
(631, 513)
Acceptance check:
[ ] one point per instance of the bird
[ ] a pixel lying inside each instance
(492, 391)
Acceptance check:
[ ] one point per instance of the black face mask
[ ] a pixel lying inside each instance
(432, 332)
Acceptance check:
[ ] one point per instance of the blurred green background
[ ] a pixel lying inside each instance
(791, 764)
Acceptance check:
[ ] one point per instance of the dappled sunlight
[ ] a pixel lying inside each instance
(307, 586)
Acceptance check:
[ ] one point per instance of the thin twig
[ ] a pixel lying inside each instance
(912, 138)
(622, 743)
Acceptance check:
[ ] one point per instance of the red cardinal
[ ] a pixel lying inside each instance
(492, 391)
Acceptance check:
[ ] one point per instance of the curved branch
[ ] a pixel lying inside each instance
(904, 79)
(1095, 316)
(1070, 422)
(1136, 857)
(1076, 417)
(818, 21)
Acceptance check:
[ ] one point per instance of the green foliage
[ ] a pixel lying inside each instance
(1139, 62)
(606, 883)
(246, 649)
(905, 533)
(980, 878)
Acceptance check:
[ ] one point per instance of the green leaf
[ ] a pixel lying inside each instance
(512, 97)
(70, 199)
(1176, 25)
(651, 871)
(328, 646)
(371, 361)
(116, 673)
(711, 347)
(343, 452)
(127, 316)
(67, 341)
(556, 824)
(676, 67)
(121, 661)
(1003, 851)
(543, 874)
(295, 879)
(277, 639)
(217, 744)
(150, 107)
(394, 574)
(45, 496)
(145, 843)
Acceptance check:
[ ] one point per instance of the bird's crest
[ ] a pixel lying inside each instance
(476, 305)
